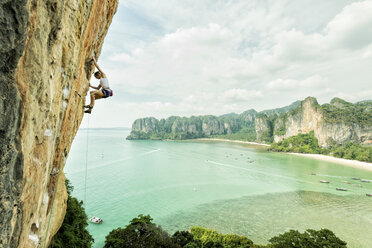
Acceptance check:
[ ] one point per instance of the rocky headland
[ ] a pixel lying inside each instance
(336, 122)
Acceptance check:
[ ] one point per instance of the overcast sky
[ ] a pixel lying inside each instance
(194, 57)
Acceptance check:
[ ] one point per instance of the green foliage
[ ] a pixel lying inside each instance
(210, 238)
(246, 134)
(352, 151)
(141, 232)
(301, 143)
(73, 232)
(307, 143)
(280, 131)
(340, 111)
(267, 137)
(184, 238)
(309, 239)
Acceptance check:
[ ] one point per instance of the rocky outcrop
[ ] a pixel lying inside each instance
(176, 127)
(264, 128)
(305, 118)
(147, 125)
(45, 49)
(337, 122)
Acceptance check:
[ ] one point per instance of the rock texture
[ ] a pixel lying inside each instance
(45, 49)
(186, 128)
(310, 116)
(336, 122)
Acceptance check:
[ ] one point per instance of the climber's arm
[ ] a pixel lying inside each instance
(99, 69)
(95, 87)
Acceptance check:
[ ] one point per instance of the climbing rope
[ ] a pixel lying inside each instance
(86, 164)
(86, 173)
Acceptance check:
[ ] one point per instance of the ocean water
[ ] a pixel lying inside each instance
(229, 187)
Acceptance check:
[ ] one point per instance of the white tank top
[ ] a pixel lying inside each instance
(104, 83)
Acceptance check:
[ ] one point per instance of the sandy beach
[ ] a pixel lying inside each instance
(348, 162)
(234, 141)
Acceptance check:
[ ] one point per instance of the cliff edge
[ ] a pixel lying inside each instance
(45, 51)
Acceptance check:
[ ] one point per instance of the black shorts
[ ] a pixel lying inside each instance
(106, 93)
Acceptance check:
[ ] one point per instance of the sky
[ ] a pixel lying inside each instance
(197, 57)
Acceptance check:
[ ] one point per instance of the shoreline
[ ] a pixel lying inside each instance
(348, 162)
(233, 141)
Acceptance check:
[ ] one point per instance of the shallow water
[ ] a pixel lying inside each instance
(229, 187)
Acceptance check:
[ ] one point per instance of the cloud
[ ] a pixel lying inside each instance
(315, 81)
(122, 57)
(213, 57)
(352, 27)
(237, 95)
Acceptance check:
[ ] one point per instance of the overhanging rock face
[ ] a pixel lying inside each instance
(45, 49)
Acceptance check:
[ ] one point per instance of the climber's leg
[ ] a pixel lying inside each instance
(94, 95)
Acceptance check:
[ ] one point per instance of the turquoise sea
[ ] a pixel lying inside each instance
(229, 187)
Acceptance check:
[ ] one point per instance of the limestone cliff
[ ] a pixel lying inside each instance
(45, 49)
(176, 127)
(336, 122)
(339, 122)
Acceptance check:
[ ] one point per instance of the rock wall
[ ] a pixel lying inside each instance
(339, 121)
(264, 129)
(176, 127)
(311, 116)
(45, 49)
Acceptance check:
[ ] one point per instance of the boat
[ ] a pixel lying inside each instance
(365, 180)
(341, 189)
(370, 195)
(95, 220)
(324, 181)
(355, 178)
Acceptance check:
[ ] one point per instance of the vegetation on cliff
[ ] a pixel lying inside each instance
(308, 143)
(342, 121)
(178, 128)
(142, 232)
(340, 111)
(73, 232)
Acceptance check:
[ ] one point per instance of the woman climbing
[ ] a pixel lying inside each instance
(98, 94)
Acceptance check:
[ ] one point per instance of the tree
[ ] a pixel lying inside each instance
(182, 238)
(211, 238)
(309, 239)
(73, 232)
(140, 233)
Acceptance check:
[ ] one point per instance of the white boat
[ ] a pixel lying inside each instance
(95, 220)
(324, 181)
(341, 189)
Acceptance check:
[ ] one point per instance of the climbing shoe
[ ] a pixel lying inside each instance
(88, 111)
(88, 106)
